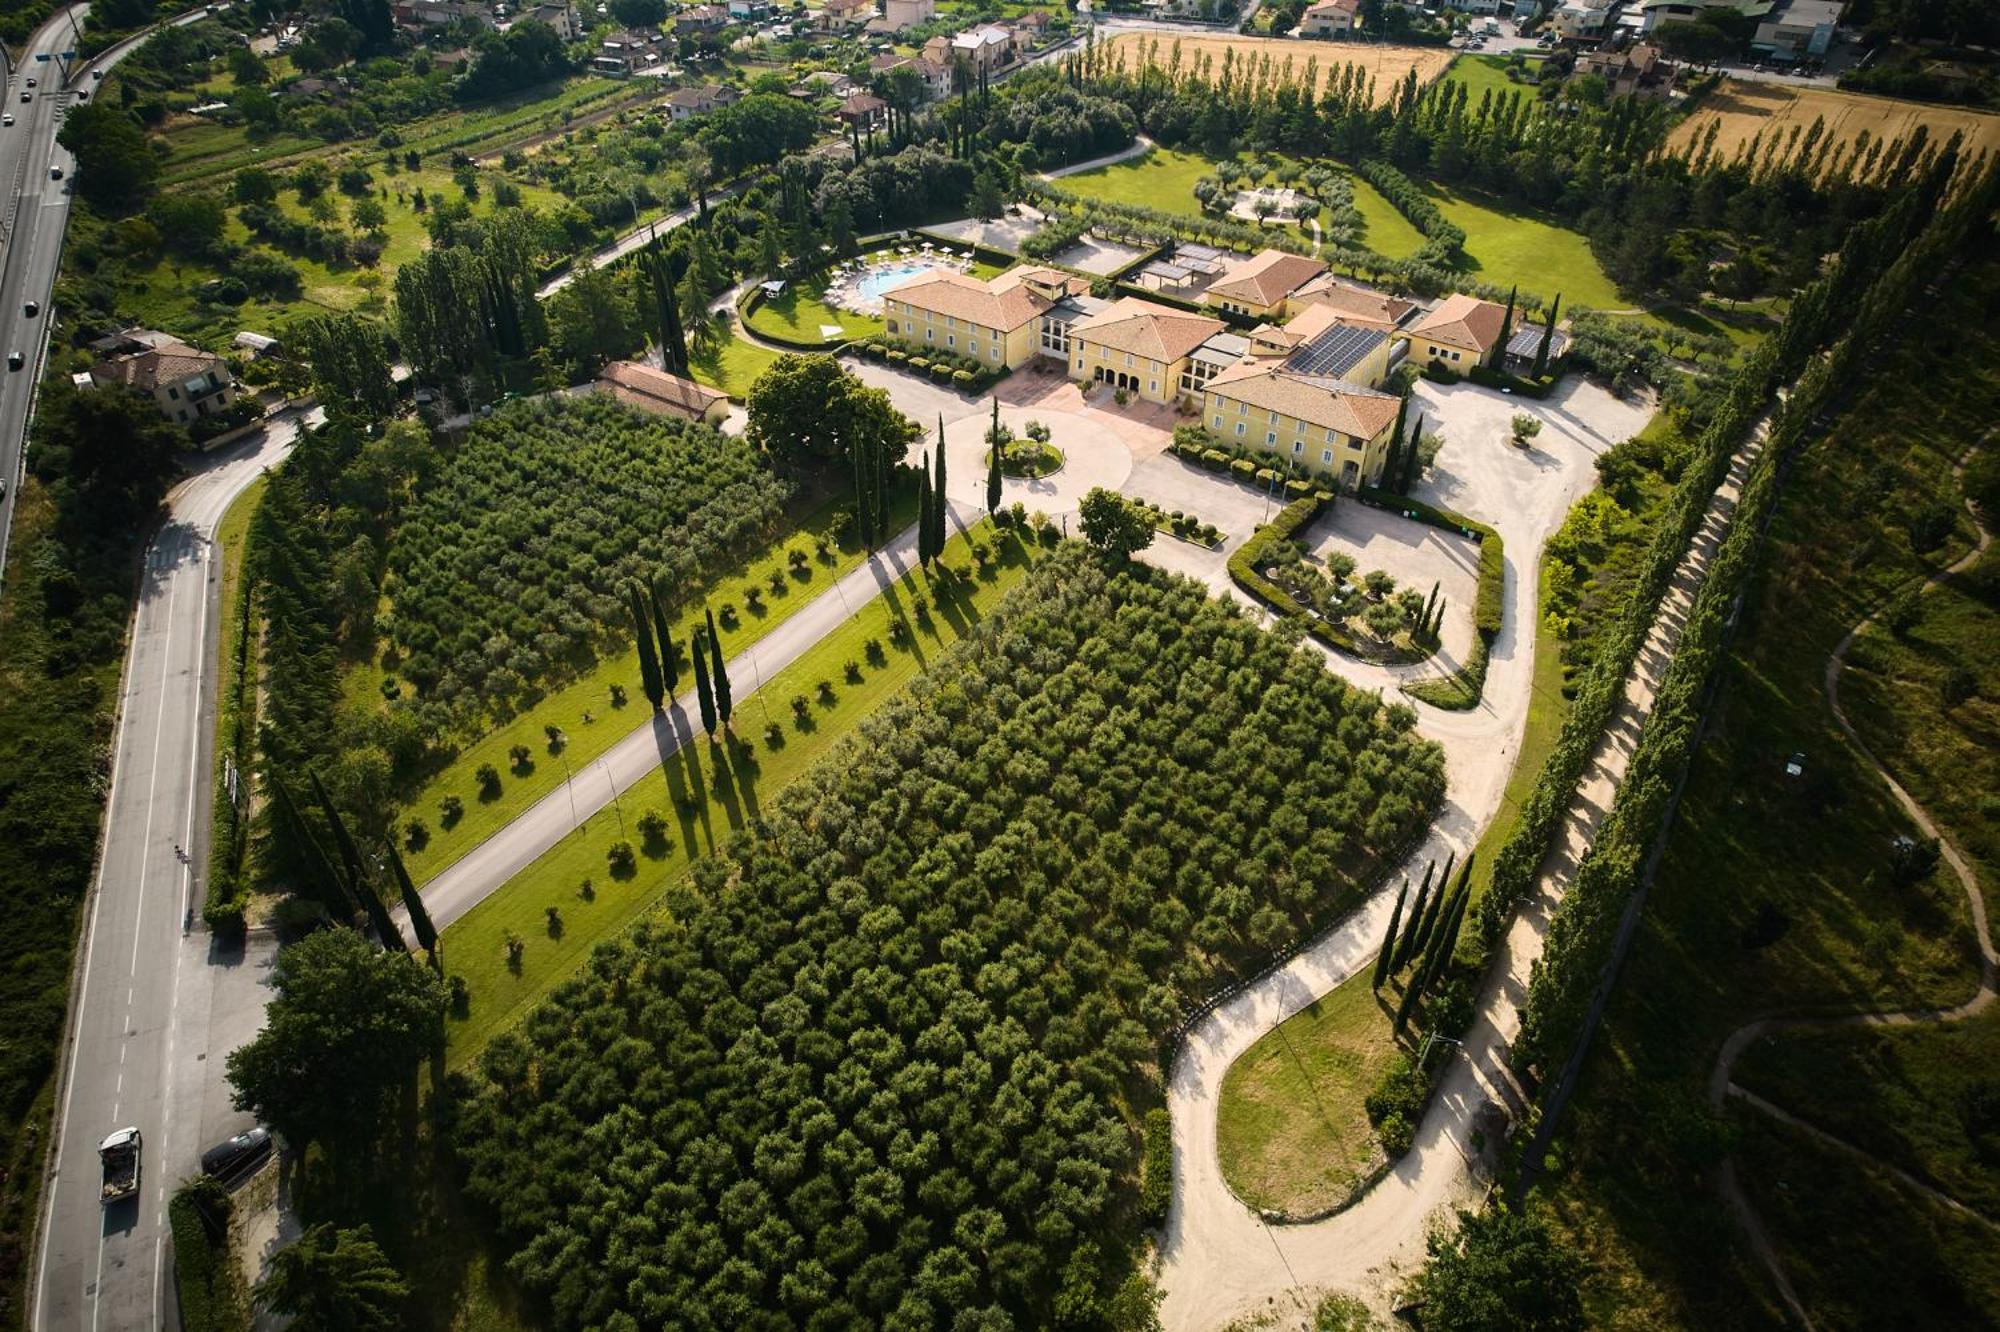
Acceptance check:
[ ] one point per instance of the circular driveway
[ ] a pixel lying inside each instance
(1092, 456)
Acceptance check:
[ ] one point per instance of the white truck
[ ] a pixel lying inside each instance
(120, 1155)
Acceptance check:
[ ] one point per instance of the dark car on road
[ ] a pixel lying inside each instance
(237, 1155)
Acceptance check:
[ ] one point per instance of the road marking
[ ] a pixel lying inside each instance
(153, 777)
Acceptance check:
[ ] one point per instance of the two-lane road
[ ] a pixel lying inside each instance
(158, 1003)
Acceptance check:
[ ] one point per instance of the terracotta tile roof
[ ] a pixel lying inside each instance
(1005, 303)
(1325, 7)
(1462, 321)
(657, 391)
(1354, 305)
(1143, 328)
(1329, 403)
(169, 362)
(1267, 277)
(862, 104)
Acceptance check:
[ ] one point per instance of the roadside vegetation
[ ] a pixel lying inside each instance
(1817, 911)
(1014, 807)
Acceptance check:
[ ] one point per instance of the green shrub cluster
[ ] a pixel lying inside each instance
(1441, 374)
(1156, 1174)
(963, 372)
(1490, 606)
(868, 1066)
(1487, 377)
(1395, 1104)
(210, 1295)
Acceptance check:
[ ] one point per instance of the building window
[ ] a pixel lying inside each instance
(1326, 455)
(1153, 386)
(930, 335)
(1274, 419)
(951, 339)
(1218, 423)
(1332, 437)
(1298, 447)
(1128, 360)
(1239, 429)
(174, 393)
(996, 352)
(1271, 438)
(1242, 408)
(892, 326)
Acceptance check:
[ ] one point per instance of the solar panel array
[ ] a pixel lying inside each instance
(1335, 351)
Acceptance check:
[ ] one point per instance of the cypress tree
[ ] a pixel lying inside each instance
(717, 671)
(1428, 924)
(940, 506)
(924, 514)
(1430, 604)
(413, 902)
(1548, 331)
(864, 479)
(664, 662)
(329, 891)
(1506, 328)
(701, 689)
(1389, 938)
(350, 856)
(1392, 469)
(993, 480)
(1410, 457)
(1408, 942)
(642, 634)
(1410, 991)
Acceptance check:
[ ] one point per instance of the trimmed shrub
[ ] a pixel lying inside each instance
(962, 378)
(1156, 1180)
(1244, 469)
(1441, 374)
(198, 1215)
(1215, 460)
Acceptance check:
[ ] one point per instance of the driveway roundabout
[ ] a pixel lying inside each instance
(1092, 456)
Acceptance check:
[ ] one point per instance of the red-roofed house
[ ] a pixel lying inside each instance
(656, 391)
(184, 382)
(1460, 333)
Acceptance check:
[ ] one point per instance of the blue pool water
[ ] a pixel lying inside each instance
(876, 281)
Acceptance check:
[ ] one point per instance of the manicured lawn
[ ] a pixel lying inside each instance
(1291, 1130)
(732, 365)
(799, 313)
(1163, 178)
(1384, 230)
(1506, 248)
(705, 795)
(1487, 73)
(583, 710)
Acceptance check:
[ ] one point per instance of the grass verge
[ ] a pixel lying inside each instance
(583, 710)
(705, 792)
(1291, 1130)
(235, 716)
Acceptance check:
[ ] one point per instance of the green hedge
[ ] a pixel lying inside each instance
(211, 1298)
(1487, 377)
(1440, 374)
(1156, 1178)
(227, 896)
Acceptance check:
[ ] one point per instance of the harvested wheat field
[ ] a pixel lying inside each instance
(1745, 109)
(1386, 65)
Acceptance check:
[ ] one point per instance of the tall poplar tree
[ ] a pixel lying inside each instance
(993, 480)
(413, 902)
(940, 506)
(670, 671)
(1407, 944)
(1506, 328)
(924, 514)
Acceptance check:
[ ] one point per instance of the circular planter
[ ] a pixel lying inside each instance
(1047, 464)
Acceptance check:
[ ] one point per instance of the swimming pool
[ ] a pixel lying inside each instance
(875, 281)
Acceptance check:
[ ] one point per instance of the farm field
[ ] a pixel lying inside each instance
(1746, 109)
(1386, 65)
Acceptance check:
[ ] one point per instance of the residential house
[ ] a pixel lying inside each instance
(744, 10)
(1458, 335)
(1140, 346)
(687, 103)
(1330, 18)
(1032, 28)
(1798, 29)
(999, 321)
(628, 51)
(452, 61)
(656, 391)
(986, 48)
(1581, 20)
(835, 15)
(184, 382)
(1261, 285)
(863, 113)
(1474, 6)
(935, 77)
(902, 14)
(563, 18)
(1637, 71)
(700, 19)
(831, 82)
(257, 346)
